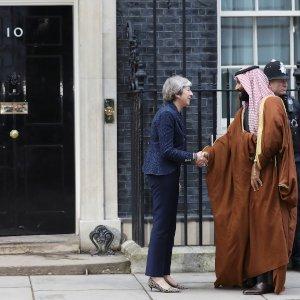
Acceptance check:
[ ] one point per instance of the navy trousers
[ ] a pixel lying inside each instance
(165, 190)
(296, 252)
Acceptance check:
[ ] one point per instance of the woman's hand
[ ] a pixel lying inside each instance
(256, 182)
(202, 159)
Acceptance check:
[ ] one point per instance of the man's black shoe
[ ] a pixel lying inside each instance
(249, 283)
(259, 289)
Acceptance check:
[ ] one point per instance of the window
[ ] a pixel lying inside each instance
(237, 42)
(238, 4)
(254, 32)
(274, 4)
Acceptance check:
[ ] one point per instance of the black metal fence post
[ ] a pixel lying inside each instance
(228, 98)
(136, 85)
(137, 178)
(214, 112)
(200, 190)
(185, 191)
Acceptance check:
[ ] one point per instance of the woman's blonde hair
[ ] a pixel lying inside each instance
(174, 86)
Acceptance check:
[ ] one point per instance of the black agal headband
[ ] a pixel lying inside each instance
(244, 70)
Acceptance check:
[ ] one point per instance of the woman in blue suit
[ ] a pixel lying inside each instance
(162, 163)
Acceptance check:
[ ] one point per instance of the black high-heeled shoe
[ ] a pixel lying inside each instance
(154, 285)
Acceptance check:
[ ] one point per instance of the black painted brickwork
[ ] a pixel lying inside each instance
(201, 56)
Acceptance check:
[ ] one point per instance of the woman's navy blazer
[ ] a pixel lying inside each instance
(167, 142)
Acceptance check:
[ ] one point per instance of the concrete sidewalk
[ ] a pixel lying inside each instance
(125, 286)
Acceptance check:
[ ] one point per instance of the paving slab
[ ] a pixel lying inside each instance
(15, 294)
(91, 295)
(288, 294)
(83, 282)
(14, 282)
(292, 280)
(200, 286)
(203, 291)
(184, 278)
(128, 286)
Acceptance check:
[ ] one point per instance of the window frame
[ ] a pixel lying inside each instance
(222, 122)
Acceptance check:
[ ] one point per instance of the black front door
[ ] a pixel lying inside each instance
(37, 177)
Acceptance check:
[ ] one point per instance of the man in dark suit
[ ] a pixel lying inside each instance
(165, 154)
(278, 79)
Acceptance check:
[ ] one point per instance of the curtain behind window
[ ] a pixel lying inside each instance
(273, 35)
(237, 4)
(237, 41)
(274, 4)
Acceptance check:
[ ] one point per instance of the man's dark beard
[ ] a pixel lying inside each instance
(244, 96)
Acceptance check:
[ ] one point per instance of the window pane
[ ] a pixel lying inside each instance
(274, 4)
(273, 35)
(237, 4)
(297, 38)
(297, 4)
(228, 83)
(237, 45)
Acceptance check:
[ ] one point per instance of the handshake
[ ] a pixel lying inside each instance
(201, 158)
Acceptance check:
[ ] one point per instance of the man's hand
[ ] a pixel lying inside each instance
(256, 183)
(202, 159)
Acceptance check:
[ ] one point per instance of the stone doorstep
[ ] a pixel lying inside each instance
(184, 258)
(54, 255)
(35, 244)
(62, 264)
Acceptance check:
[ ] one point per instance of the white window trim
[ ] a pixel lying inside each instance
(222, 122)
(258, 13)
(261, 13)
(38, 2)
(254, 42)
(220, 126)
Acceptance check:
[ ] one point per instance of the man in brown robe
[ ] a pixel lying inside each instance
(252, 186)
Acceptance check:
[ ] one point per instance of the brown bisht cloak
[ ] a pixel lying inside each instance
(254, 230)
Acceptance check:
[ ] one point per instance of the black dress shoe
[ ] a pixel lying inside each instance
(249, 283)
(260, 289)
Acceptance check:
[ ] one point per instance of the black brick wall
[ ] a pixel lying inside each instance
(201, 56)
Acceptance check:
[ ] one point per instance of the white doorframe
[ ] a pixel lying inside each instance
(95, 78)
